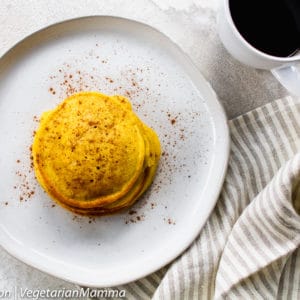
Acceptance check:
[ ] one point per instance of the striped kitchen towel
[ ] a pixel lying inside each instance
(249, 247)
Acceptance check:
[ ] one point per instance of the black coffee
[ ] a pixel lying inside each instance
(271, 26)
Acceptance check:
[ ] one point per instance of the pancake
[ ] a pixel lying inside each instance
(141, 185)
(93, 155)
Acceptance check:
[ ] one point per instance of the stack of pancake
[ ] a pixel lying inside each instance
(93, 155)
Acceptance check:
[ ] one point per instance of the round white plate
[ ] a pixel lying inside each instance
(115, 56)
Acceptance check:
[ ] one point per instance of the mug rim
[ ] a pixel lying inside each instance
(249, 46)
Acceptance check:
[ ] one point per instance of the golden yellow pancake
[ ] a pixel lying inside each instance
(93, 155)
(144, 181)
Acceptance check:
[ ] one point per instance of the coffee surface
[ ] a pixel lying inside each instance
(271, 26)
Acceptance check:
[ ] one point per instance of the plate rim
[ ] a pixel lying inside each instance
(222, 125)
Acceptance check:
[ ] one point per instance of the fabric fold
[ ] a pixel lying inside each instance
(268, 230)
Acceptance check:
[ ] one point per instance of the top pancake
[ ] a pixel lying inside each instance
(90, 149)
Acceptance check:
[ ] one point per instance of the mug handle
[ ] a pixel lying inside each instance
(289, 77)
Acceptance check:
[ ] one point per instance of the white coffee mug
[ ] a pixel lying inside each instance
(285, 69)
